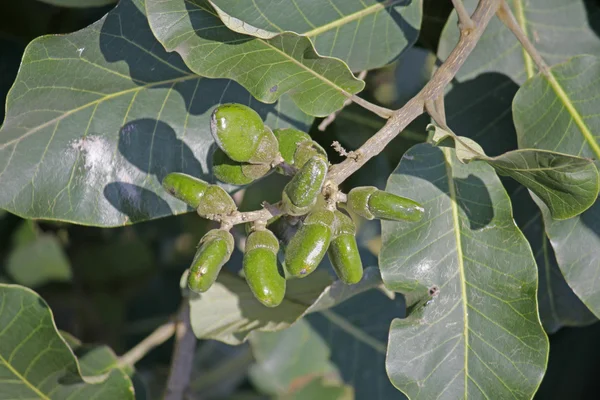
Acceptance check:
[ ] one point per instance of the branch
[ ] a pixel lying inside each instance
(432, 95)
(464, 19)
(156, 338)
(507, 17)
(183, 356)
(415, 107)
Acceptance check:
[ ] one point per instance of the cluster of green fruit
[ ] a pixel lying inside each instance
(249, 150)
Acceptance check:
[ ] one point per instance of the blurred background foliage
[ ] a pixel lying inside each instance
(115, 286)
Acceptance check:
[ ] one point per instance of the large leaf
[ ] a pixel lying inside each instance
(229, 312)
(356, 332)
(568, 185)
(480, 335)
(558, 112)
(559, 29)
(366, 34)
(268, 68)
(36, 362)
(91, 146)
(479, 103)
(558, 305)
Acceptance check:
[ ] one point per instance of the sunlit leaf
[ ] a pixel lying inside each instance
(558, 112)
(268, 68)
(473, 328)
(479, 102)
(98, 117)
(568, 185)
(36, 362)
(366, 34)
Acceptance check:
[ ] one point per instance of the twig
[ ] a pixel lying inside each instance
(183, 356)
(432, 92)
(381, 111)
(464, 18)
(508, 18)
(415, 107)
(156, 338)
(331, 117)
(269, 211)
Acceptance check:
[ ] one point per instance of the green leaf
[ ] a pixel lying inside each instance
(479, 103)
(274, 372)
(93, 360)
(356, 332)
(473, 328)
(568, 185)
(268, 68)
(38, 262)
(365, 34)
(79, 3)
(559, 29)
(229, 312)
(36, 362)
(558, 305)
(558, 112)
(91, 146)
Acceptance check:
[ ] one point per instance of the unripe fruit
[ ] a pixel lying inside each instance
(307, 248)
(343, 250)
(208, 200)
(297, 147)
(370, 202)
(236, 173)
(261, 270)
(185, 188)
(214, 251)
(240, 132)
(300, 194)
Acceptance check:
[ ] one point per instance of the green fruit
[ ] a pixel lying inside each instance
(215, 249)
(236, 173)
(240, 132)
(307, 248)
(216, 201)
(297, 147)
(260, 268)
(370, 202)
(208, 200)
(186, 188)
(343, 251)
(300, 194)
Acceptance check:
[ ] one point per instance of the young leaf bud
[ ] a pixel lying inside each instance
(369, 202)
(261, 270)
(240, 132)
(214, 251)
(343, 250)
(300, 194)
(308, 247)
(236, 173)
